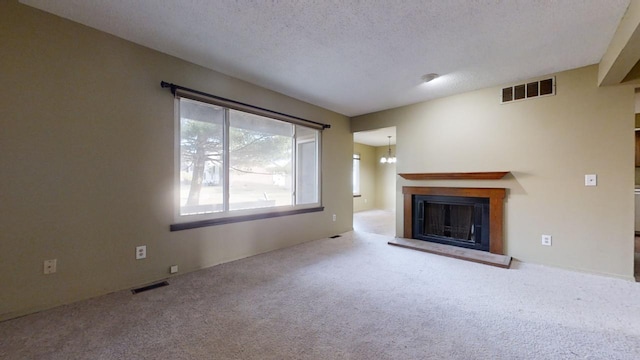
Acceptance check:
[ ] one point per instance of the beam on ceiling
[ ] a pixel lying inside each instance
(624, 49)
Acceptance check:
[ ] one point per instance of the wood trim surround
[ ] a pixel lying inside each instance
(496, 209)
(486, 175)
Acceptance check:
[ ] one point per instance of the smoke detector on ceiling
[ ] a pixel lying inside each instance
(428, 77)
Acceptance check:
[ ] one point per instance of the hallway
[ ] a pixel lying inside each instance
(381, 222)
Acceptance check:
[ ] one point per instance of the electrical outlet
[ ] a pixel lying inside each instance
(591, 180)
(141, 252)
(50, 266)
(334, 217)
(173, 269)
(546, 240)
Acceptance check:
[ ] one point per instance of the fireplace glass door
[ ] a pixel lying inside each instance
(452, 220)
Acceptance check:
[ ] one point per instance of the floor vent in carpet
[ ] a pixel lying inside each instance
(149, 287)
(335, 236)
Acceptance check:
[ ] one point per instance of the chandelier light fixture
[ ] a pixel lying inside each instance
(389, 159)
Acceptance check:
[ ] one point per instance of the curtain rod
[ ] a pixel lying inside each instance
(175, 87)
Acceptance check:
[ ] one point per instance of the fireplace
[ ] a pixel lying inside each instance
(463, 217)
(452, 220)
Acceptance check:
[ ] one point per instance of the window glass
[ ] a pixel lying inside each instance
(201, 149)
(307, 165)
(260, 161)
(356, 174)
(233, 162)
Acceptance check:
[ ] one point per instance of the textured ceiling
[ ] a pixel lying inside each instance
(357, 57)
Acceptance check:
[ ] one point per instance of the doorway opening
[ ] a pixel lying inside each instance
(374, 181)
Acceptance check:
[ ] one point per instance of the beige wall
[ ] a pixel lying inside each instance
(87, 159)
(548, 144)
(367, 200)
(385, 180)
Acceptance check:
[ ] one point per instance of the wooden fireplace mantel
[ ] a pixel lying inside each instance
(486, 175)
(496, 209)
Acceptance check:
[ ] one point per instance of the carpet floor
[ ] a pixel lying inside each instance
(352, 297)
(381, 222)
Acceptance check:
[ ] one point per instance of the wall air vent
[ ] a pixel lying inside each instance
(546, 87)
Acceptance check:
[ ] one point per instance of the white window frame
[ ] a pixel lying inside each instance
(356, 175)
(228, 216)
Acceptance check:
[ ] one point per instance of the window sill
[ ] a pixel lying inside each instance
(235, 219)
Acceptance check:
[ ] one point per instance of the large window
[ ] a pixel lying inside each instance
(234, 163)
(356, 175)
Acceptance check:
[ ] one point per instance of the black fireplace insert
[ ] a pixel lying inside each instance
(452, 220)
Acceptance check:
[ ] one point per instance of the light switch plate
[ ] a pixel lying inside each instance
(591, 180)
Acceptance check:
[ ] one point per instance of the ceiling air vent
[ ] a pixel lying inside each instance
(546, 87)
